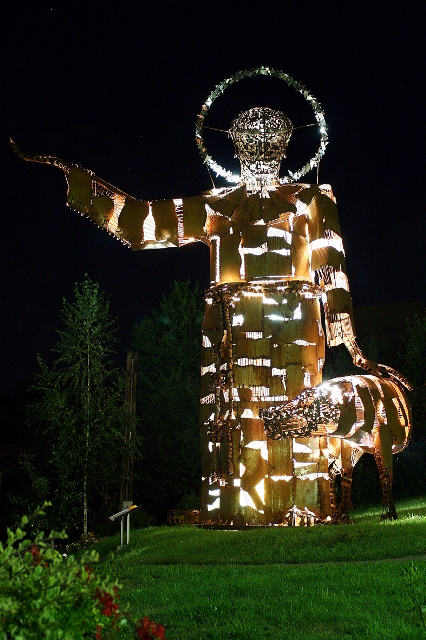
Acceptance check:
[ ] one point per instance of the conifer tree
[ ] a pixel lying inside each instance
(78, 416)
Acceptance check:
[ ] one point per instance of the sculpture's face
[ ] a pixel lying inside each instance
(261, 135)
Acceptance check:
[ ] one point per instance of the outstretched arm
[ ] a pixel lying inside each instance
(138, 223)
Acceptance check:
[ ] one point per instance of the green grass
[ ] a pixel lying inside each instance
(276, 583)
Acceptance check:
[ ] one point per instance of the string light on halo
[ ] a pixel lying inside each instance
(292, 176)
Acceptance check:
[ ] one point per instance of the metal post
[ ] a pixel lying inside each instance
(128, 507)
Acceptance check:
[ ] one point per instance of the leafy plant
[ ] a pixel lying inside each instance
(46, 595)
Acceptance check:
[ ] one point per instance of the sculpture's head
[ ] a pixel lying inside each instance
(260, 136)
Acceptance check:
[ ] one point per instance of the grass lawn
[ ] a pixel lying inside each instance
(276, 583)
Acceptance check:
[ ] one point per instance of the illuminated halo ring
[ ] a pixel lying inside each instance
(261, 71)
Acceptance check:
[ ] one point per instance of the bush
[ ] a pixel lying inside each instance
(46, 595)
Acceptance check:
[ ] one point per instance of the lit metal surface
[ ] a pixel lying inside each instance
(260, 138)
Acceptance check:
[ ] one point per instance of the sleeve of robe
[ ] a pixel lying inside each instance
(138, 223)
(328, 260)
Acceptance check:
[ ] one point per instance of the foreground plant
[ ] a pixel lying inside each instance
(45, 595)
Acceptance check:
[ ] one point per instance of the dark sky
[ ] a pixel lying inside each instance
(116, 87)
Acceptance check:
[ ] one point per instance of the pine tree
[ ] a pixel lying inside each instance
(78, 415)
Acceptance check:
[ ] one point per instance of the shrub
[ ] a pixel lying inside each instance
(46, 595)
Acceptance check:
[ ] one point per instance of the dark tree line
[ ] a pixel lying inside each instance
(77, 419)
(168, 343)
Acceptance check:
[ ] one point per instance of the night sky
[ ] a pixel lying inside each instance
(117, 90)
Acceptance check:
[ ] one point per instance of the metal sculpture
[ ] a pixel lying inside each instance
(273, 437)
